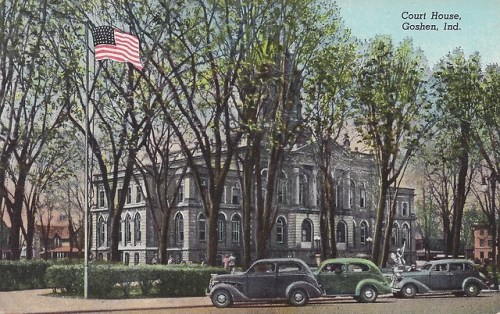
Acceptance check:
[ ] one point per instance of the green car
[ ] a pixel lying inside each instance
(356, 277)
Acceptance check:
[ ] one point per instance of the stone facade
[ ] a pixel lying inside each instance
(296, 232)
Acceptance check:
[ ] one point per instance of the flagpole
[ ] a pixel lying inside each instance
(86, 203)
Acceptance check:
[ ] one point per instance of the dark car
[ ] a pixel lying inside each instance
(267, 279)
(356, 277)
(457, 276)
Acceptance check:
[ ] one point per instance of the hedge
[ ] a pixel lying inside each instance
(111, 280)
(19, 275)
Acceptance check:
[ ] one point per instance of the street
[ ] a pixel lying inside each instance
(41, 301)
(484, 304)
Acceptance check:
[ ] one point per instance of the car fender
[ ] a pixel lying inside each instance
(235, 293)
(381, 289)
(422, 288)
(475, 280)
(311, 290)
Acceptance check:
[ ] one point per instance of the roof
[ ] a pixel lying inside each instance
(450, 260)
(61, 230)
(349, 260)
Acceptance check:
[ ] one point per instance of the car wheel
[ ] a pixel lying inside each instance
(298, 297)
(471, 290)
(368, 294)
(221, 298)
(409, 291)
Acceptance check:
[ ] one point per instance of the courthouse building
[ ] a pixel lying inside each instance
(296, 231)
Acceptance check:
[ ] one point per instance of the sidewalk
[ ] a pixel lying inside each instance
(40, 301)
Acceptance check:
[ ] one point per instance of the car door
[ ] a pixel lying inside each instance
(457, 275)
(288, 273)
(261, 281)
(333, 278)
(439, 277)
(355, 273)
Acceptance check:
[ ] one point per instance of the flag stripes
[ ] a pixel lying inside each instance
(111, 43)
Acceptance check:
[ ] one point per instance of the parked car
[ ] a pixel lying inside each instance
(267, 279)
(356, 277)
(457, 276)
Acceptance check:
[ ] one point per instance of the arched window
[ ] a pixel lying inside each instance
(202, 227)
(280, 230)
(101, 227)
(179, 228)
(236, 228)
(352, 192)
(221, 227)
(128, 230)
(126, 259)
(363, 231)
(137, 227)
(395, 233)
(362, 196)
(180, 193)
(341, 232)
(136, 258)
(306, 231)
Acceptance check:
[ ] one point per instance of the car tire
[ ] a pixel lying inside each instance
(409, 291)
(298, 297)
(221, 298)
(368, 294)
(471, 290)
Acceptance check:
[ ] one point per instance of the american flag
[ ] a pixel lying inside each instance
(112, 43)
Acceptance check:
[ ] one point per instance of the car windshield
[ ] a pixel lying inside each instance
(427, 267)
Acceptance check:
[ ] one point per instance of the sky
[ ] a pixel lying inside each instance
(478, 23)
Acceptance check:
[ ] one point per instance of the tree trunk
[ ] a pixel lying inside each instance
(379, 219)
(163, 239)
(212, 240)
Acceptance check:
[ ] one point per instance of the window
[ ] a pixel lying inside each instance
(303, 190)
(339, 195)
(306, 231)
(136, 258)
(120, 232)
(137, 228)
(481, 255)
(100, 196)
(352, 190)
(282, 191)
(341, 232)
(126, 260)
(289, 267)
(481, 242)
(101, 227)
(405, 233)
(128, 230)
(180, 194)
(129, 195)
(179, 228)
(394, 236)
(357, 267)
(235, 195)
(236, 228)
(138, 194)
(221, 227)
(362, 197)
(280, 230)
(404, 208)
(202, 227)
(363, 232)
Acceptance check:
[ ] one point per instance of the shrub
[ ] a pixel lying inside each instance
(18, 275)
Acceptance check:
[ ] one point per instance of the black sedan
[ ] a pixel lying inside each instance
(267, 279)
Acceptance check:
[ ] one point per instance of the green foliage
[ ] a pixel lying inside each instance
(18, 275)
(110, 280)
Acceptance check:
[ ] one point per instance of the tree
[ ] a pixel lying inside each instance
(328, 92)
(458, 94)
(29, 102)
(392, 116)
